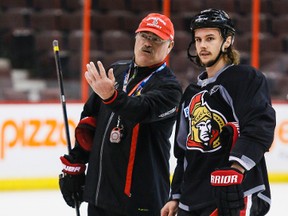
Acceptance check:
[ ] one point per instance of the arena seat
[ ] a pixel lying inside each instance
(185, 70)
(116, 56)
(44, 4)
(7, 4)
(46, 67)
(5, 68)
(284, 38)
(22, 48)
(112, 40)
(181, 21)
(243, 42)
(5, 76)
(44, 40)
(105, 21)
(69, 21)
(128, 21)
(181, 6)
(75, 62)
(279, 7)
(267, 60)
(11, 94)
(111, 5)
(46, 19)
(228, 6)
(75, 40)
(74, 65)
(279, 25)
(50, 94)
(244, 23)
(182, 40)
(72, 5)
(270, 43)
(179, 62)
(14, 18)
(145, 5)
(244, 7)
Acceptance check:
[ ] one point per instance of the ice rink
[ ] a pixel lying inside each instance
(50, 203)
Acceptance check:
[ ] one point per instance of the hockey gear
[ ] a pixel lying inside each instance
(62, 95)
(72, 168)
(213, 18)
(72, 188)
(63, 103)
(72, 181)
(229, 135)
(84, 132)
(228, 191)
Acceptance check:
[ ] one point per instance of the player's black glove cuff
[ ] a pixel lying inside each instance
(72, 181)
(227, 183)
(72, 188)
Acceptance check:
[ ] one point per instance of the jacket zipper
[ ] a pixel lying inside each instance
(101, 156)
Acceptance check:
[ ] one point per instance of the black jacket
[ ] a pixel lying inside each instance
(139, 164)
(238, 94)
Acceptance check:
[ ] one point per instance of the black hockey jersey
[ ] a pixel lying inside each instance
(236, 94)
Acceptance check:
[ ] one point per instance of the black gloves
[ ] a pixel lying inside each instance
(72, 180)
(228, 191)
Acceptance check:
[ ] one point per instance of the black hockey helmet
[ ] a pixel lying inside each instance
(213, 18)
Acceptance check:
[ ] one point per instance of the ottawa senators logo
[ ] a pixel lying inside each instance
(204, 125)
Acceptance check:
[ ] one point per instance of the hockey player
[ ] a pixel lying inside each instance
(224, 127)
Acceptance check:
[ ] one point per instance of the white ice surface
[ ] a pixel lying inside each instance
(50, 203)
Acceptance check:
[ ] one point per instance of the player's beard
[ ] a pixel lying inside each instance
(209, 63)
(213, 61)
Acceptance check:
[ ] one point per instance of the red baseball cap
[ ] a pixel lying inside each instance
(158, 24)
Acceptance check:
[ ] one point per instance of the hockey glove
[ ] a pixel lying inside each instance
(72, 180)
(228, 191)
(228, 136)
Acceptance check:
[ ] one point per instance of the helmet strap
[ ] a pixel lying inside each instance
(218, 56)
(192, 57)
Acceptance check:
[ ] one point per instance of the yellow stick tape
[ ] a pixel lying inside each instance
(56, 48)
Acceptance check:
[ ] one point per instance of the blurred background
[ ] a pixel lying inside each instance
(32, 134)
(28, 27)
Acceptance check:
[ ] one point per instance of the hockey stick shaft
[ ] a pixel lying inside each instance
(62, 95)
(63, 103)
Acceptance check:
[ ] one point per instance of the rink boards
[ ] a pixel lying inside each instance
(32, 137)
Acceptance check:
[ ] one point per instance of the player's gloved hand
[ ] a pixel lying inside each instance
(72, 180)
(228, 191)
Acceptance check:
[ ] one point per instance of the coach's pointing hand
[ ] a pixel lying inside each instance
(101, 84)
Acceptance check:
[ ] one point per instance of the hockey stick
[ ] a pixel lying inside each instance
(63, 102)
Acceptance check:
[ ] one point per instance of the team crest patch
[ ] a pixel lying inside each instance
(204, 125)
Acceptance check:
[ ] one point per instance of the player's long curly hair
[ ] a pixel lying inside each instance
(231, 55)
